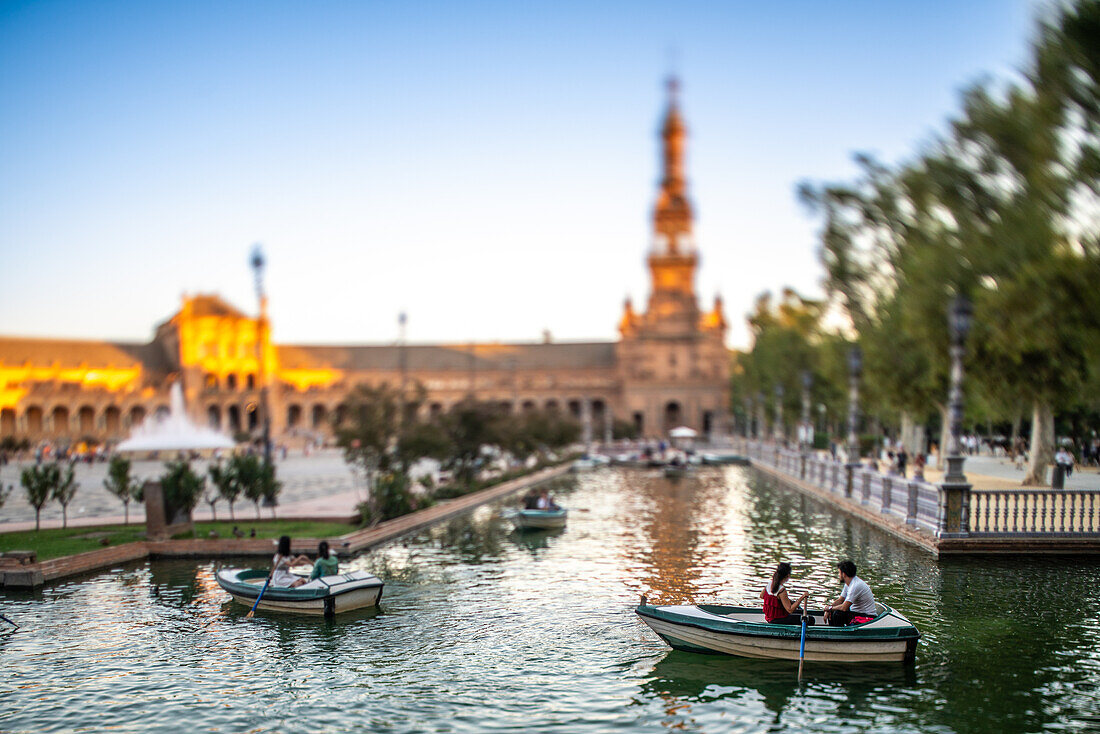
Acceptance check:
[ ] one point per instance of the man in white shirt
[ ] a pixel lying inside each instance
(856, 600)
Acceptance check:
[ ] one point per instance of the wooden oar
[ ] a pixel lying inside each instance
(261, 596)
(802, 642)
(13, 624)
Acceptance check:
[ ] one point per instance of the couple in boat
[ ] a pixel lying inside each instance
(855, 605)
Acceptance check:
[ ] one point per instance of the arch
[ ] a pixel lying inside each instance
(293, 415)
(112, 420)
(86, 419)
(639, 423)
(552, 406)
(598, 408)
(708, 421)
(673, 415)
(319, 416)
(529, 406)
(250, 381)
(231, 381)
(575, 409)
(137, 416)
(233, 415)
(435, 410)
(60, 417)
(33, 415)
(341, 414)
(505, 407)
(210, 381)
(161, 413)
(252, 411)
(214, 417)
(7, 422)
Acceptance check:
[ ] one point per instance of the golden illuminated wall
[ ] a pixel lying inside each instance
(15, 381)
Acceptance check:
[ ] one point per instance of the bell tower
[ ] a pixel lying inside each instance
(673, 362)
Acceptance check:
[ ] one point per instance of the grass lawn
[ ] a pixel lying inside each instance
(55, 542)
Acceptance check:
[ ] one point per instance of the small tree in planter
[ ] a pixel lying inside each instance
(182, 489)
(39, 481)
(227, 483)
(249, 471)
(64, 491)
(121, 484)
(269, 487)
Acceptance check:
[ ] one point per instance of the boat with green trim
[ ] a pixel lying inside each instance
(742, 631)
(539, 519)
(326, 596)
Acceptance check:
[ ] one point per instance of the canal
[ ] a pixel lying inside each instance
(483, 629)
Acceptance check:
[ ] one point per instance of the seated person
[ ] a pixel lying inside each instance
(326, 563)
(856, 603)
(778, 608)
(283, 562)
(546, 502)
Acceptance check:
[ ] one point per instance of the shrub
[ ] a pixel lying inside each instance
(182, 489)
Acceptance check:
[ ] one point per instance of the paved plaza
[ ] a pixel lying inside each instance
(318, 485)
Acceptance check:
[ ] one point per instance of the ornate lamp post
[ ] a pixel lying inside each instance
(955, 490)
(778, 432)
(855, 370)
(261, 328)
(805, 433)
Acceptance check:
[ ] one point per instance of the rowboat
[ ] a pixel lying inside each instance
(327, 595)
(538, 519)
(723, 457)
(590, 462)
(742, 631)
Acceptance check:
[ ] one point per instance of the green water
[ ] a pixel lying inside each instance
(482, 629)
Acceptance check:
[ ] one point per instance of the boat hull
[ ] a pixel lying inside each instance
(539, 519)
(326, 597)
(893, 640)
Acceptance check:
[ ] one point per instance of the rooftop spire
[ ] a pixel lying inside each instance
(672, 215)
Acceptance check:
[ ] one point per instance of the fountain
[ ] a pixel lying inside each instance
(174, 432)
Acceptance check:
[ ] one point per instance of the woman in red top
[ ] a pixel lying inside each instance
(778, 608)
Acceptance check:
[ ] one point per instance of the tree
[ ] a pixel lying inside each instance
(39, 482)
(182, 489)
(64, 491)
(227, 484)
(269, 486)
(248, 470)
(119, 483)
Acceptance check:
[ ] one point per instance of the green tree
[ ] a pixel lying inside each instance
(270, 487)
(64, 491)
(119, 483)
(182, 489)
(39, 482)
(248, 471)
(226, 483)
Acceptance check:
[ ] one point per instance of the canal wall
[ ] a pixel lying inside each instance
(941, 519)
(17, 573)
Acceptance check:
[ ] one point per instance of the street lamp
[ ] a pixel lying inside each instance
(855, 370)
(778, 433)
(257, 262)
(960, 316)
(805, 434)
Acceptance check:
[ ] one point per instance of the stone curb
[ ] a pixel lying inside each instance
(36, 574)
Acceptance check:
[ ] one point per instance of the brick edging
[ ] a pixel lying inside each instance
(36, 574)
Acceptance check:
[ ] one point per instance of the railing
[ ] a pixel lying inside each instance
(1035, 512)
(912, 501)
(999, 513)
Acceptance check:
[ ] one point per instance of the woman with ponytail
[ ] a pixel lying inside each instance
(778, 608)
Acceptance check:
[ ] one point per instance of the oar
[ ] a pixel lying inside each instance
(802, 642)
(261, 596)
(13, 624)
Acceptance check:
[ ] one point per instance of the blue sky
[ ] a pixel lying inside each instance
(488, 167)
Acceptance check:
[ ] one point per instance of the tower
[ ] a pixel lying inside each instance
(673, 362)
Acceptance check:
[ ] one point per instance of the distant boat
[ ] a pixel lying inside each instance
(742, 631)
(538, 519)
(327, 595)
(590, 462)
(723, 457)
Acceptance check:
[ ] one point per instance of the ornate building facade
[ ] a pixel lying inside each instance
(669, 368)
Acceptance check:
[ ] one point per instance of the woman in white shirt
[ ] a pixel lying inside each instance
(283, 562)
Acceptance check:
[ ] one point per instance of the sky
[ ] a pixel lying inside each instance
(488, 168)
